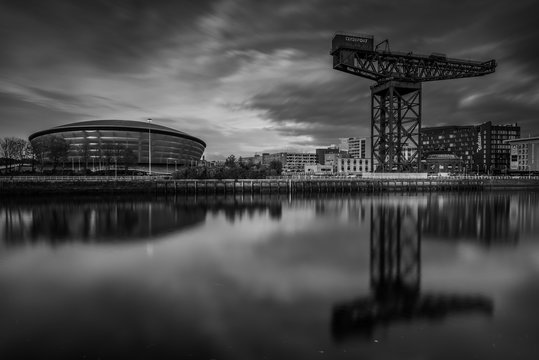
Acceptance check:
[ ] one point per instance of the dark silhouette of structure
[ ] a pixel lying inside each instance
(396, 96)
(395, 271)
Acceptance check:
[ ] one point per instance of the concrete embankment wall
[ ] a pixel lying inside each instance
(310, 186)
(75, 187)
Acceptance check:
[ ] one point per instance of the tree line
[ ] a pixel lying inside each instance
(231, 169)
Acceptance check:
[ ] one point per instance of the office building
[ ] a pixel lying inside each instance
(481, 148)
(358, 148)
(292, 162)
(320, 154)
(353, 166)
(524, 154)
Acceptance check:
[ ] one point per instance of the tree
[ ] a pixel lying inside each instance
(19, 151)
(230, 161)
(57, 150)
(129, 158)
(6, 152)
(39, 149)
(83, 152)
(12, 150)
(276, 167)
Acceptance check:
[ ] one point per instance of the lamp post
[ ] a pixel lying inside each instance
(149, 148)
(176, 165)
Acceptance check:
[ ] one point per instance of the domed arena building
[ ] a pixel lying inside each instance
(102, 144)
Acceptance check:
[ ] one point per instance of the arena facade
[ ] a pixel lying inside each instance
(100, 143)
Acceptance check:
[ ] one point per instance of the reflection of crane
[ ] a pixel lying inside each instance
(396, 97)
(395, 279)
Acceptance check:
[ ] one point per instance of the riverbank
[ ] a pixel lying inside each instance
(118, 185)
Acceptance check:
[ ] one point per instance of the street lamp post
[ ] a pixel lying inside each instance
(176, 165)
(149, 148)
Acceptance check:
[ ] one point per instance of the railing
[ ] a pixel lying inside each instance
(77, 178)
(274, 178)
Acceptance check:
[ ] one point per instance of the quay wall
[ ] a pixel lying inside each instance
(33, 186)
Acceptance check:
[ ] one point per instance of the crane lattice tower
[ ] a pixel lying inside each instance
(396, 96)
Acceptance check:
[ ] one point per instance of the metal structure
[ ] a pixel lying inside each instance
(396, 96)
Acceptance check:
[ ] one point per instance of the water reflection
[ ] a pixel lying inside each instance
(258, 276)
(395, 269)
(481, 217)
(96, 219)
(235, 208)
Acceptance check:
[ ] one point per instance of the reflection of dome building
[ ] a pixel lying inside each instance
(109, 141)
(88, 219)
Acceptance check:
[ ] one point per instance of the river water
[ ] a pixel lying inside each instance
(423, 276)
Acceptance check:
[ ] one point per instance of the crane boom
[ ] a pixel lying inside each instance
(381, 65)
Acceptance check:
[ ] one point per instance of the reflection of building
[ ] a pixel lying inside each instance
(524, 154)
(480, 147)
(236, 208)
(95, 219)
(524, 213)
(478, 217)
(124, 218)
(96, 142)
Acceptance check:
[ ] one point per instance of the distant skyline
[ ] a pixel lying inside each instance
(251, 76)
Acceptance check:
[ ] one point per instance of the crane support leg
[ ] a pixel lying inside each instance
(395, 266)
(396, 126)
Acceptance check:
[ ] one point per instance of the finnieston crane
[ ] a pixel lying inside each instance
(396, 96)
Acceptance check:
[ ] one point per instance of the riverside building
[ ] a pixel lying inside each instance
(482, 148)
(524, 154)
(292, 162)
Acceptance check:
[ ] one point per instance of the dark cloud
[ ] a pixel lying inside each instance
(21, 117)
(112, 35)
(325, 112)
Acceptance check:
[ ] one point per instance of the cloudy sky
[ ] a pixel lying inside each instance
(252, 76)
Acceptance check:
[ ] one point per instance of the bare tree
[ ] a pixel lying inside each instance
(39, 150)
(57, 150)
(30, 154)
(11, 149)
(83, 152)
(19, 151)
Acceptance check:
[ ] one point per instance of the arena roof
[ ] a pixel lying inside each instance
(116, 125)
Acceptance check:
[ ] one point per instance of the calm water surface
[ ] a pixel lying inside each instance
(434, 276)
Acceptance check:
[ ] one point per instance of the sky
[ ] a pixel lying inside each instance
(254, 76)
